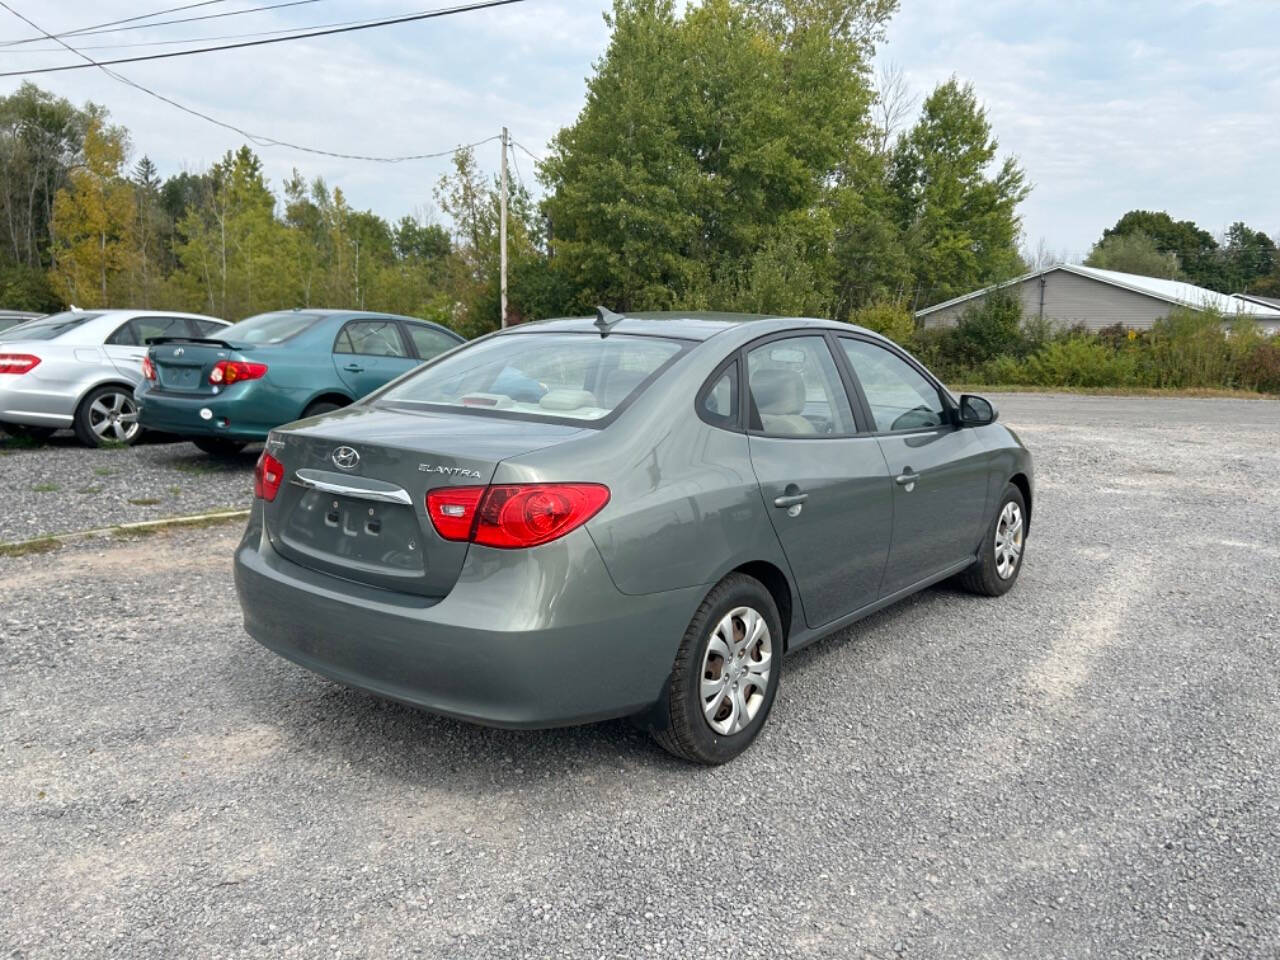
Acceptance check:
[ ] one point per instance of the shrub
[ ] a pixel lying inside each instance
(1003, 370)
(1081, 362)
(1259, 369)
(989, 328)
(1187, 349)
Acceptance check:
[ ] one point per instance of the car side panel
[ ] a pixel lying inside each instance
(49, 394)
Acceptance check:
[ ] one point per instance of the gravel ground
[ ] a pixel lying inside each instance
(61, 486)
(1087, 767)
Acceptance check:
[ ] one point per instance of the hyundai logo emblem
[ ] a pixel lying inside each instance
(346, 458)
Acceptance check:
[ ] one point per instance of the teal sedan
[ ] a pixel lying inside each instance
(276, 368)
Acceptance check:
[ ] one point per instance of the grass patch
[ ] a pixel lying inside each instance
(29, 547)
(18, 441)
(112, 445)
(132, 533)
(144, 501)
(175, 491)
(45, 487)
(89, 490)
(102, 471)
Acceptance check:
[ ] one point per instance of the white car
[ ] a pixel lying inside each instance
(78, 369)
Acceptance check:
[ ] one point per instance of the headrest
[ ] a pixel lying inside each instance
(567, 399)
(778, 392)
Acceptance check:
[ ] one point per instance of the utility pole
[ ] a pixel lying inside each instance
(502, 231)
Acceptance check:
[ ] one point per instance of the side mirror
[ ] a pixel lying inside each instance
(976, 411)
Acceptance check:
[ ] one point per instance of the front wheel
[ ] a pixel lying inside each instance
(1000, 558)
(725, 675)
(107, 416)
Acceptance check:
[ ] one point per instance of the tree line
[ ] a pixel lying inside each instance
(1152, 244)
(732, 154)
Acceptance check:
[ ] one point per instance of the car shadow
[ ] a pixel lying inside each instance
(365, 731)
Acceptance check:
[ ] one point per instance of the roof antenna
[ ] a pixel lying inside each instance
(606, 319)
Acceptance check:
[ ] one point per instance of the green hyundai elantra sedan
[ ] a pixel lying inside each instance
(640, 516)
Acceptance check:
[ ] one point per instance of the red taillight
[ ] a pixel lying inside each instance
(17, 362)
(148, 368)
(233, 371)
(511, 516)
(267, 476)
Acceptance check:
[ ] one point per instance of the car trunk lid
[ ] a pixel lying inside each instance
(183, 366)
(353, 502)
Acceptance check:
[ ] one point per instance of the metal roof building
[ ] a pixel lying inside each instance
(1071, 295)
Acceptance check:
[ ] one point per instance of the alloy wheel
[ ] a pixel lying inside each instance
(735, 670)
(1008, 542)
(113, 417)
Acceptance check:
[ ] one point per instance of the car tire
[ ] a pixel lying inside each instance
(218, 446)
(319, 407)
(34, 434)
(715, 728)
(107, 415)
(1003, 546)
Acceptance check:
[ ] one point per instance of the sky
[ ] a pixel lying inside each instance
(1108, 106)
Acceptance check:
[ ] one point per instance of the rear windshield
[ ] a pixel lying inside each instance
(48, 328)
(552, 376)
(267, 328)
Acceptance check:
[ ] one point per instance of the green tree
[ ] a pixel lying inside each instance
(716, 151)
(1134, 252)
(1246, 256)
(93, 246)
(957, 208)
(1195, 248)
(41, 138)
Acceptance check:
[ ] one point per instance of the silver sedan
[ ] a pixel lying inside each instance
(77, 370)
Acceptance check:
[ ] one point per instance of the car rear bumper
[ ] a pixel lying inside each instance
(31, 401)
(538, 638)
(228, 416)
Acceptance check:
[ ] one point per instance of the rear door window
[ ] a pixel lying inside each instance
(371, 338)
(136, 332)
(429, 342)
(796, 390)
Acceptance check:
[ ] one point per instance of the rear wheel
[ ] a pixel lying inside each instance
(107, 416)
(219, 446)
(725, 676)
(321, 406)
(1000, 559)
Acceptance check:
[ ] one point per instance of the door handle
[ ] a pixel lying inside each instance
(353, 368)
(790, 500)
(907, 479)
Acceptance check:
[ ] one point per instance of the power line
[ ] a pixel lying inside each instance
(166, 43)
(141, 16)
(91, 31)
(532, 155)
(389, 21)
(257, 139)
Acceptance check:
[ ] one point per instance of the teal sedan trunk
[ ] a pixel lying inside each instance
(274, 368)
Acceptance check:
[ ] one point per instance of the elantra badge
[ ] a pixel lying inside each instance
(345, 458)
(449, 471)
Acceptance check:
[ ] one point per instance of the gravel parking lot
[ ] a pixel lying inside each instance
(1087, 767)
(61, 486)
